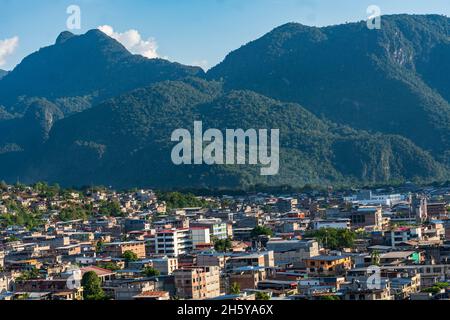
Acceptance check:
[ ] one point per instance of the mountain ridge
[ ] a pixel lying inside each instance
(354, 106)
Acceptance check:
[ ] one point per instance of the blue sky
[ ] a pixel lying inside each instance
(188, 31)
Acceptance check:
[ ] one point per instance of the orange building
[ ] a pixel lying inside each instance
(117, 249)
(328, 265)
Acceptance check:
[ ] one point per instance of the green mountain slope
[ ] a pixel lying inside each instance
(126, 141)
(393, 80)
(79, 71)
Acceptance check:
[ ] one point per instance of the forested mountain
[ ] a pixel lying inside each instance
(79, 71)
(126, 141)
(393, 80)
(353, 105)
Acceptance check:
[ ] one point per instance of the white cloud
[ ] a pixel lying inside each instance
(133, 41)
(7, 47)
(204, 64)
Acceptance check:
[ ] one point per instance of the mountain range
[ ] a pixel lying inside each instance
(353, 105)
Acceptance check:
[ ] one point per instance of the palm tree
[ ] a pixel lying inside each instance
(375, 257)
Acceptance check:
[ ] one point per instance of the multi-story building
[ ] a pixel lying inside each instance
(200, 236)
(165, 265)
(335, 224)
(367, 216)
(437, 210)
(403, 234)
(263, 259)
(247, 277)
(328, 265)
(173, 242)
(217, 228)
(292, 252)
(205, 259)
(198, 282)
(117, 249)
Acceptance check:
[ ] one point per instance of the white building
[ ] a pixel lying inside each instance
(335, 224)
(173, 242)
(404, 234)
(217, 228)
(368, 198)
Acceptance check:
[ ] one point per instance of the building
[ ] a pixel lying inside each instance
(200, 236)
(263, 259)
(367, 216)
(173, 242)
(165, 265)
(335, 224)
(197, 283)
(153, 296)
(292, 252)
(247, 277)
(328, 265)
(366, 197)
(436, 210)
(206, 259)
(129, 289)
(217, 228)
(286, 204)
(48, 286)
(117, 249)
(136, 225)
(404, 234)
(103, 274)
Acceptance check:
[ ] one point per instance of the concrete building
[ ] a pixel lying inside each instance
(263, 259)
(173, 242)
(200, 236)
(292, 252)
(328, 265)
(198, 283)
(217, 228)
(335, 224)
(117, 249)
(165, 265)
(404, 234)
(367, 216)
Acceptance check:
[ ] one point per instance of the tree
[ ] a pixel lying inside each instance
(222, 245)
(260, 231)
(110, 266)
(28, 275)
(332, 238)
(262, 296)
(130, 256)
(330, 298)
(99, 246)
(375, 257)
(110, 209)
(235, 288)
(151, 272)
(92, 286)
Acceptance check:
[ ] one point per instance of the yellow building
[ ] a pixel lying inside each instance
(328, 265)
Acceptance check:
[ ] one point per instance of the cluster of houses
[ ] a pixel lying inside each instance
(254, 246)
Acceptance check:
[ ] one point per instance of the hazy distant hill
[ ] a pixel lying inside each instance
(353, 106)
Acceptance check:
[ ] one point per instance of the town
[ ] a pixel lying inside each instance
(96, 243)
